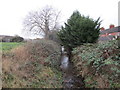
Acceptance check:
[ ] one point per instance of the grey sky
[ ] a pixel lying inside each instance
(13, 12)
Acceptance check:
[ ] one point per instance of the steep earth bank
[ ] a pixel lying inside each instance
(32, 65)
(99, 64)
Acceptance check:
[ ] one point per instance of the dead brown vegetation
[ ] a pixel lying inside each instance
(22, 66)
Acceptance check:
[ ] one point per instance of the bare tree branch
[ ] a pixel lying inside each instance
(43, 21)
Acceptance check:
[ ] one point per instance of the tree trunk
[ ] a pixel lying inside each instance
(46, 29)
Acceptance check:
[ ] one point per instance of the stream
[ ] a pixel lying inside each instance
(70, 80)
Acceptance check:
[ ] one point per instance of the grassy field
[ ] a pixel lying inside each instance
(6, 46)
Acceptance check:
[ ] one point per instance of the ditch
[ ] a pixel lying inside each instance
(70, 80)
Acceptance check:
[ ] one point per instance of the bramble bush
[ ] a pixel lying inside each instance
(96, 62)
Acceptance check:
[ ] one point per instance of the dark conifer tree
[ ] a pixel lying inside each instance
(78, 30)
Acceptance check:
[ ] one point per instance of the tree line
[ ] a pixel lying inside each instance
(78, 29)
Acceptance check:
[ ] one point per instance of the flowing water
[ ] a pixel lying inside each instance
(70, 79)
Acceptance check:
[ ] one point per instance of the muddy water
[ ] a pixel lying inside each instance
(70, 79)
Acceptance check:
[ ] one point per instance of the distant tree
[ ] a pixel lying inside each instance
(78, 30)
(17, 39)
(42, 22)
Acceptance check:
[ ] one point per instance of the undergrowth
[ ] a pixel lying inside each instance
(33, 65)
(99, 64)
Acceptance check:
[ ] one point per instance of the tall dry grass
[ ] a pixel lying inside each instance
(23, 66)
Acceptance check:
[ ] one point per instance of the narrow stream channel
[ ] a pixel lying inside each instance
(69, 77)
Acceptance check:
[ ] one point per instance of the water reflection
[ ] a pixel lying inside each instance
(64, 62)
(70, 80)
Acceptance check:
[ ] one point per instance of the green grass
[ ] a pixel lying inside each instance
(6, 46)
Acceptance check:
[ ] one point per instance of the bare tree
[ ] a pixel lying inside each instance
(42, 22)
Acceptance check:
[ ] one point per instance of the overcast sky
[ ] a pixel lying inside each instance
(13, 12)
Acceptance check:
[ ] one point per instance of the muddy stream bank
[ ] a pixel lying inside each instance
(70, 80)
